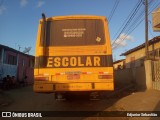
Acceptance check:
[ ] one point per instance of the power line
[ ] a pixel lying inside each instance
(155, 5)
(113, 10)
(138, 24)
(134, 24)
(126, 20)
(136, 20)
(134, 12)
(140, 16)
(143, 18)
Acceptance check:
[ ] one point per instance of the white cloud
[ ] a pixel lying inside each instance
(40, 3)
(2, 9)
(121, 41)
(23, 3)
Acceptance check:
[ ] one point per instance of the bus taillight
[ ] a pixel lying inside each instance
(105, 76)
(86, 72)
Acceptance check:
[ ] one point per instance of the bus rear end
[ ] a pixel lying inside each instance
(73, 54)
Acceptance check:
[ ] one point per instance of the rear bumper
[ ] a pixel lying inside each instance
(66, 87)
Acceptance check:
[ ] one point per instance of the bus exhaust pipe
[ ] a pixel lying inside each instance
(43, 17)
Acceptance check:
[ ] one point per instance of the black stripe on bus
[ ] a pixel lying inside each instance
(73, 61)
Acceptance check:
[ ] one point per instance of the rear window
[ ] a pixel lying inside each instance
(73, 32)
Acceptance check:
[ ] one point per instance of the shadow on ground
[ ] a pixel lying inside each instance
(24, 99)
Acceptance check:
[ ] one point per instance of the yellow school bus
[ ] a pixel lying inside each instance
(73, 54)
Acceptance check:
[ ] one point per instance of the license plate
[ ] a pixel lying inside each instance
(73, 77)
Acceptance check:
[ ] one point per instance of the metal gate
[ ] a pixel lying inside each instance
(156, 75)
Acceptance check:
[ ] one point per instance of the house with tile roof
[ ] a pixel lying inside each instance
(135, 57)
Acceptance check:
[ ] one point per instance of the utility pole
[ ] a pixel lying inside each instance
(146, 29)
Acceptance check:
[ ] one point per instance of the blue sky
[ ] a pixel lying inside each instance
(19, 19)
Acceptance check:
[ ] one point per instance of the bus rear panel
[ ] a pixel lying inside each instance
(73, 53)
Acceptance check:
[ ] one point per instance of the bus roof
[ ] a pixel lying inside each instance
(75, 17)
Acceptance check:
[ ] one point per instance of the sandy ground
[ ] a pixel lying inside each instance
(24, 99)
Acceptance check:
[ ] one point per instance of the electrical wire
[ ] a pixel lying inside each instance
(113, 10)
(136, 25)
(126, 20)
(134, 12)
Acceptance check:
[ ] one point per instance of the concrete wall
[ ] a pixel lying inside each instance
(24, 69)
(30, 76)
(122, 77)
(127, 76)
(140, 77)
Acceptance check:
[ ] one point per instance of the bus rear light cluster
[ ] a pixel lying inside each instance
(102, 73)
(41, 78)
(60, 74)
(86, 72)
(105, 76)
(77, 73)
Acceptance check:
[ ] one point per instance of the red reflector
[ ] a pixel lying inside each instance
(84, 72)
(105, 76)
(101, 72)
(57, 73)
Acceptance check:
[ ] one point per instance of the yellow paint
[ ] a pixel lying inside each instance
(43, 87)
(57, 62)
(96, 61)
(73, 87)
(104, 86)
(49, 63)
(65, 62)
(85, 82)
(88, 61)
(73, 61)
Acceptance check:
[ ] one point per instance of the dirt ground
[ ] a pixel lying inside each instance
(24, 99)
